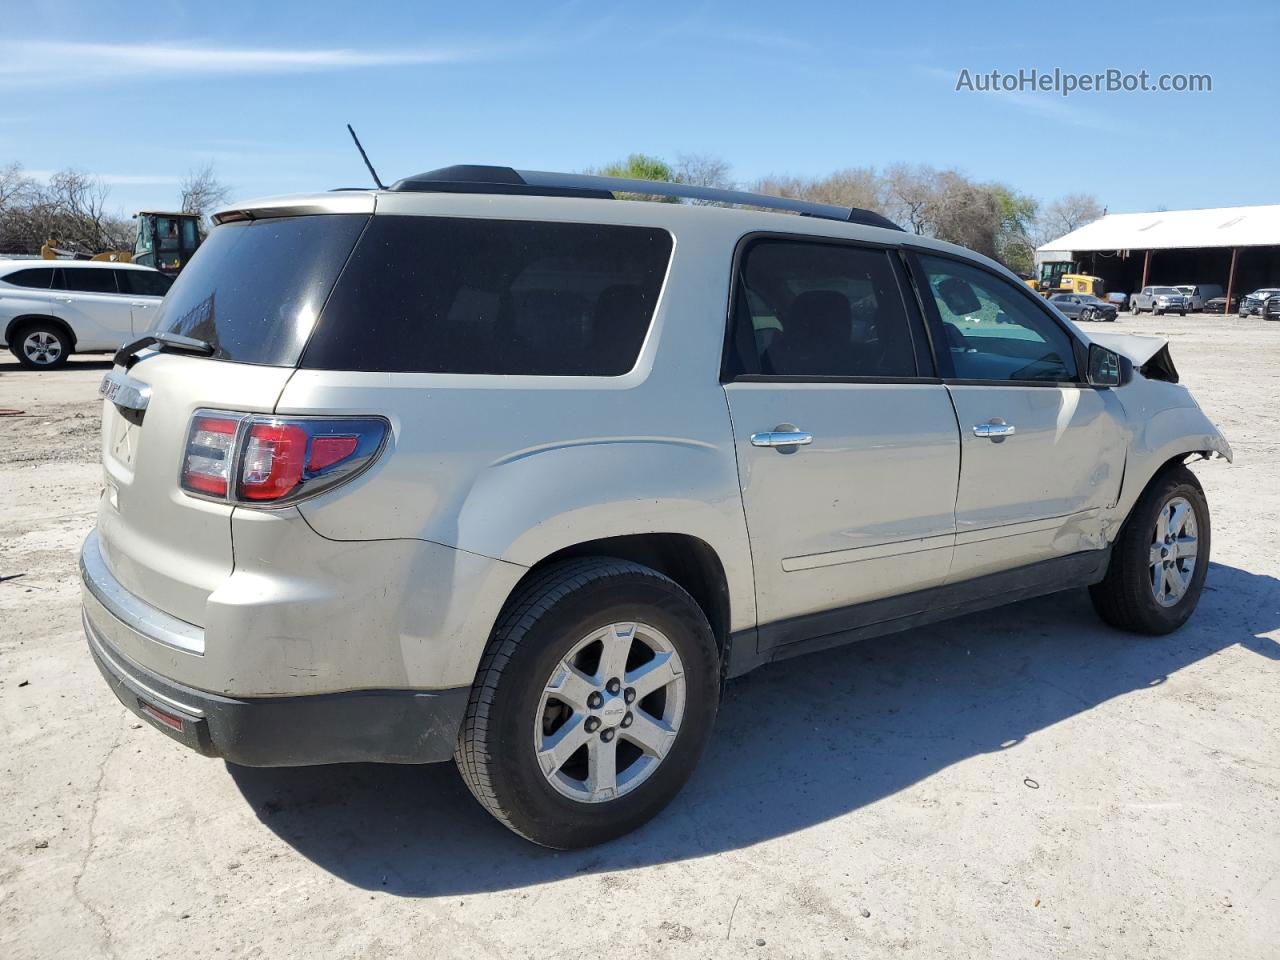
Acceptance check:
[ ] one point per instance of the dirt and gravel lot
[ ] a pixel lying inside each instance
(1014, 784)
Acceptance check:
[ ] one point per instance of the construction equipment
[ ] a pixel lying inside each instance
(49, 252)
(1059, 276)
(166, 240)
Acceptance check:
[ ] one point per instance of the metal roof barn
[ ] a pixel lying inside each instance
(1236, 247)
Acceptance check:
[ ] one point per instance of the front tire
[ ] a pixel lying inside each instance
(1160, 560)
(41, 346)
(592, 705)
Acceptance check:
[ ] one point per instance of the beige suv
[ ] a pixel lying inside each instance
(493, 466)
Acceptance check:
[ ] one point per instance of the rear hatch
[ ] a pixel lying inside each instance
(253, 292)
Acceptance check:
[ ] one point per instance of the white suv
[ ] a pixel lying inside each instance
(493, 466)
(52, 308)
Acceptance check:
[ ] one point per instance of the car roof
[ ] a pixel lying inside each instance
(685, 218)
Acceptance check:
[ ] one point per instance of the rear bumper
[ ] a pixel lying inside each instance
(381, 726)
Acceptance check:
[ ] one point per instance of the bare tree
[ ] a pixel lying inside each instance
(203, 192)
(69, 212)
(961, 211)
(15, 186)
(851, 187)
(909, 193)
(703, 170)
(1068, 213)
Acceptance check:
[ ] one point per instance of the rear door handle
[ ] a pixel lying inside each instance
(141, 306)
(782, 438)
(995, 430)
(63, 299)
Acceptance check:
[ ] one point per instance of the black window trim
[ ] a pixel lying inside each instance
(1079, 349)
(730, 360)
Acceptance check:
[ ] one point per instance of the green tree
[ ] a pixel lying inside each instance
(1014, 244)
(640, 166)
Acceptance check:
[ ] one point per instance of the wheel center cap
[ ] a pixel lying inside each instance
(614, 709)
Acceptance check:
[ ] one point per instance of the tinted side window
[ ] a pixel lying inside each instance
(38, 278)
(143, 283)
(90, 280)
(454, 295)
(993, 331)
(824, 310)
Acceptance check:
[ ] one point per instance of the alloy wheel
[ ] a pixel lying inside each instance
(1173, 552)
(610, 712)
(42, 348)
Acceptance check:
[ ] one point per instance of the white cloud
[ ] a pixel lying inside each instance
(37, 62)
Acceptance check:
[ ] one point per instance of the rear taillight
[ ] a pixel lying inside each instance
(210, 448)
(273, 461)
(258, 460)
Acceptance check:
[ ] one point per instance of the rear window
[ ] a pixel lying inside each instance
(462, 295)
(254, 289)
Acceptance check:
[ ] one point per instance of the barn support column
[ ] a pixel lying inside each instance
(1146, 269)
(1231, 280)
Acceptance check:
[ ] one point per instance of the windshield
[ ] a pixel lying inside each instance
(254, 289)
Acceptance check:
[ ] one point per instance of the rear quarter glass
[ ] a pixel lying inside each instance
(255, 288)
(484, 296)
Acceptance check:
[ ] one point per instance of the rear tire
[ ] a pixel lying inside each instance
(544, 735)
(41, 345)
(1151, 585)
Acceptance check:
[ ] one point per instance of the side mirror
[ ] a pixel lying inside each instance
(1107, 368)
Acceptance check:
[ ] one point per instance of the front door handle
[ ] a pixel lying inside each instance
(788, 436)
(141, 306)
(996, 430)
(63, 299)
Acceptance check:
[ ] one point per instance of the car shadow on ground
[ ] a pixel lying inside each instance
(13, 366)
(796, 744)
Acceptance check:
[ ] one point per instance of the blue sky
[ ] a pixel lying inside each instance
(142, 93)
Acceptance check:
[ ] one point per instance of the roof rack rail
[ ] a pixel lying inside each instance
(487, 179)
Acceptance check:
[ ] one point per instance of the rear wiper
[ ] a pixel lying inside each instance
(127, 355)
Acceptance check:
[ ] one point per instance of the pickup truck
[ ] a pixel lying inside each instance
(1159, 300)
